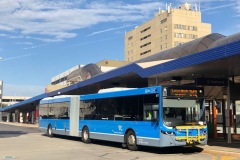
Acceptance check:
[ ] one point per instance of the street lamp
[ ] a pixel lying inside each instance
(1, 88)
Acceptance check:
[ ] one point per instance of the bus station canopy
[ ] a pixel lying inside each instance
(213, 56)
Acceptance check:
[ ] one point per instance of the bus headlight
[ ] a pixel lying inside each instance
(204, 132)
(168, 133)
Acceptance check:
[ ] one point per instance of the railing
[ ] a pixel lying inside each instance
(189, 138)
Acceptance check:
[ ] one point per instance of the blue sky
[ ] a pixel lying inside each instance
(42, 38)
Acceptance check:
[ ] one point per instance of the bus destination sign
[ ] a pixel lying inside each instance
(183, 92)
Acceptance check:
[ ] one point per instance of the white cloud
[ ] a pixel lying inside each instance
(203, 1)
(109, 29)
(59, 19)
(25, 43)
(16, 57)
(22, 90)
(214, 4)
(96, 41)
(237, 8)
(218, 7)
(11, 36)
(37, 46)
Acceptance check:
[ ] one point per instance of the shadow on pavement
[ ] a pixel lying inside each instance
(7, 130)
(224, 143)
(7, 134)
(155, 150)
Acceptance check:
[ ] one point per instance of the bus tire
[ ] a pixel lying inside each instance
(131, 141)
(85, 135)
(49, 131)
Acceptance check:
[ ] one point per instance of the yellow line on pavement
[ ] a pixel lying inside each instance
(228, 158)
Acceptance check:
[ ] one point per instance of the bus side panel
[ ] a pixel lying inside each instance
(43, 125)
(74, 115)
(103, 130)
(147, 133)
(59, 126)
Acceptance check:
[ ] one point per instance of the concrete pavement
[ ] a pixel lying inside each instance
(215, 146)
(221, 146)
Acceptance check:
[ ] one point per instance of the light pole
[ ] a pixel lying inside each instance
(1, 88)
(1, 83)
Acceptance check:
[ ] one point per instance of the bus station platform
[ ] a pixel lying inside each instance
(222, 147)
(218, 146)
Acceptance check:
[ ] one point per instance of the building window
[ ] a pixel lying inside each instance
(176, 35)
(192, 36)
(145, 37)
(146, 44)
(184, 27)
(164, 20)
(183, 35)
(131, 37)
(144, 30)
(165, 36)
(180, 35)
(145, 52)
(178, 43)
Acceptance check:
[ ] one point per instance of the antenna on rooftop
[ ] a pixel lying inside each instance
(199, 6)
(168, 7)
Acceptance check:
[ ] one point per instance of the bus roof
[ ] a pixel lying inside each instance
(121, 93)
(55, 99)
(114, 89)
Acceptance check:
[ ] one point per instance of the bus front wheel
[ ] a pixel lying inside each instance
(85, 135)
(131, 141)
(49, 131)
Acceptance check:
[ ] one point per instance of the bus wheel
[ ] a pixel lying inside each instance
(131, 141)
(49, 131)
(85, 135)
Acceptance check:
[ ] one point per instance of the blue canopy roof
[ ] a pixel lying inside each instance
(223, 59)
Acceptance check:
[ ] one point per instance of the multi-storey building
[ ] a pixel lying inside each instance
(82, 72)
(169, 28)
(10, 100)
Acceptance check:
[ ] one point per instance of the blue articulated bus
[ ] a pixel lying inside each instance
(159, 116)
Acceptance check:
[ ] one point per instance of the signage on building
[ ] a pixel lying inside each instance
(211, 81)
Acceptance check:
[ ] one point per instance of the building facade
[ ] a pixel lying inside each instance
(82, 72)
(169, 28)
(10, 100)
